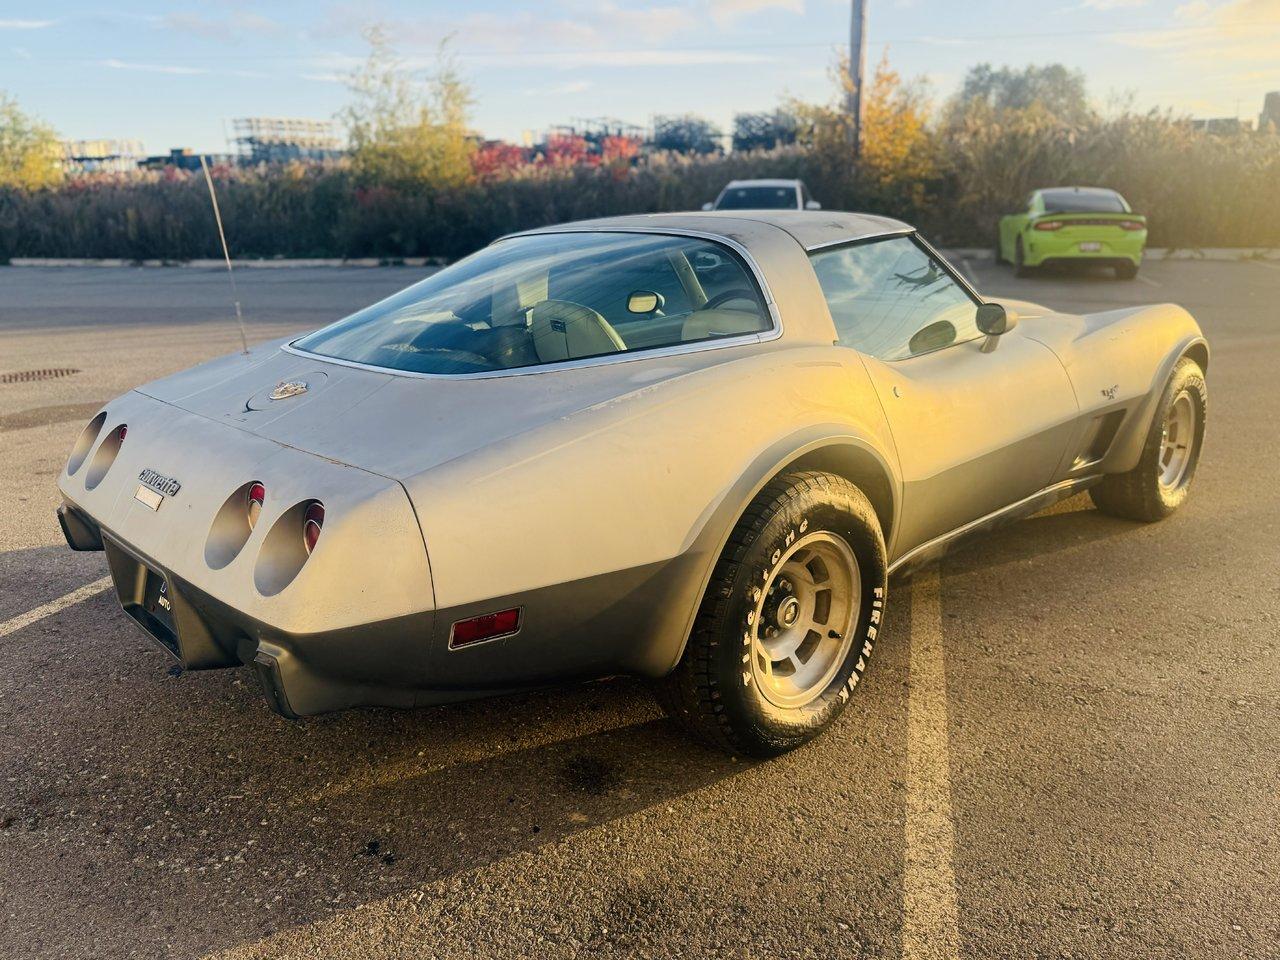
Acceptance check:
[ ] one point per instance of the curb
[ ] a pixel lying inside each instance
(1224, 254)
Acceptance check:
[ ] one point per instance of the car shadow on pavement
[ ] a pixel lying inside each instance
(172, 813)
(1065, 526)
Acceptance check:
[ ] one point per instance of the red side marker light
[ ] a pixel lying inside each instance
(487, 627)
(311, 524)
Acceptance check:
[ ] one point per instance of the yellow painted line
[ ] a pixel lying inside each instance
(14, 624)
(930, 929)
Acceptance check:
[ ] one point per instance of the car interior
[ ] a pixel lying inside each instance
(551, 309)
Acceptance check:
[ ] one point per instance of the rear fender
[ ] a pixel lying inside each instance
(831, 447)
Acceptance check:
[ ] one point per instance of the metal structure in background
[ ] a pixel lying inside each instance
(101, 156)
(857, 70)
(281, 139)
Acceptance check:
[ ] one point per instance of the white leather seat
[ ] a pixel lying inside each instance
(563, 330)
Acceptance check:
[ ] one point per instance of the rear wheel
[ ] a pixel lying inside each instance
(1126, 270)
(788, 621)
(1159, 484)
(1020, 268)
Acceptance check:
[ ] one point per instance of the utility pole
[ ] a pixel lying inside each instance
(857, 71)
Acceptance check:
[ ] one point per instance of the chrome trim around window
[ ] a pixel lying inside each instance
(629, 356)
(864, 238)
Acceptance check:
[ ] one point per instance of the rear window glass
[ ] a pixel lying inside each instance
(1071, 201)
(554, 297)
(758, 198)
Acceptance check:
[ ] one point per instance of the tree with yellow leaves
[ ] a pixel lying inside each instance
(29, 149)
(401, 132)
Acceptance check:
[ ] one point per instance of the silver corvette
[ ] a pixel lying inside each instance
(688, 447)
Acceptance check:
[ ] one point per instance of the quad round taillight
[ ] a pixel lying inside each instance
(254, 500)
(121, 431)
(312, 522)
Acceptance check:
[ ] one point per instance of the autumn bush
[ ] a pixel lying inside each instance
(415, 185)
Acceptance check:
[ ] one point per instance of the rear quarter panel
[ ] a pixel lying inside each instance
(626, 490)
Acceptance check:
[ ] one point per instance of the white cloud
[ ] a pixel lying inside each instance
(621, 58)
(568, 88)
(26, 24)
(115, 64)
(1112, 4)
(726, 11)
(1236, 31)
(235, 25)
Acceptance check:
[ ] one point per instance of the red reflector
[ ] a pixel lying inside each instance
(121, 433)
(485, 628)
(1049, 225)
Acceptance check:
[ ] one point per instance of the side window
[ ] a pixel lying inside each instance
(804, 196)
(892, 300)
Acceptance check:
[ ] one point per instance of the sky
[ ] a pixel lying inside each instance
(174, 75)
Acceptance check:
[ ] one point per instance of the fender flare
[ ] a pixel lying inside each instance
(708, 539)
(1126, 450)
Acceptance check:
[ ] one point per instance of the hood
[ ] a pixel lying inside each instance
(396, 425)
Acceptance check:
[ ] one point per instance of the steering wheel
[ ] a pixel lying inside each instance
(727, 296)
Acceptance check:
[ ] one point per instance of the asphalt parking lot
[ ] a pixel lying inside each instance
(1066, 745)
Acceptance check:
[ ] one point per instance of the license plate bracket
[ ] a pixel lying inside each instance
(155, 612)
(1090, 246)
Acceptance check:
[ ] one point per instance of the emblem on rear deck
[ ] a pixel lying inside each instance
(288, 388)
(165, 486)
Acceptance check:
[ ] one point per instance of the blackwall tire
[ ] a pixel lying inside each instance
(788, 622)
(1161, 481)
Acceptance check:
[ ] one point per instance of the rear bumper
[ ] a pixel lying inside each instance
(1049, 248)
(301, 673)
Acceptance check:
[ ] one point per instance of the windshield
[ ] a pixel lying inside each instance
(552, 297)
(758, 198)
(1072, 201)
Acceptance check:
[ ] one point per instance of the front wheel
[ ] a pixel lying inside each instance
(1159, 484)
(788, 621)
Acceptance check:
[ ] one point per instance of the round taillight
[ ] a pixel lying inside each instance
(313, 520)
(120, 433)
(256, 497)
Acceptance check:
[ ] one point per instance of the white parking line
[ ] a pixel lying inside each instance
(930, 926)
(1143, 278)
(14, 624)
(1269, 264)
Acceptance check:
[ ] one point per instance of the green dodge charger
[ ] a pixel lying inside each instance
(1074, 224)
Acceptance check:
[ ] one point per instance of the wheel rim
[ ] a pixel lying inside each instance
(802, 626)
(1177, 440)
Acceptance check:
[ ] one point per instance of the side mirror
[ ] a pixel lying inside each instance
(644, 302)
(994, 320)
(812, 205)
(708, 206)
